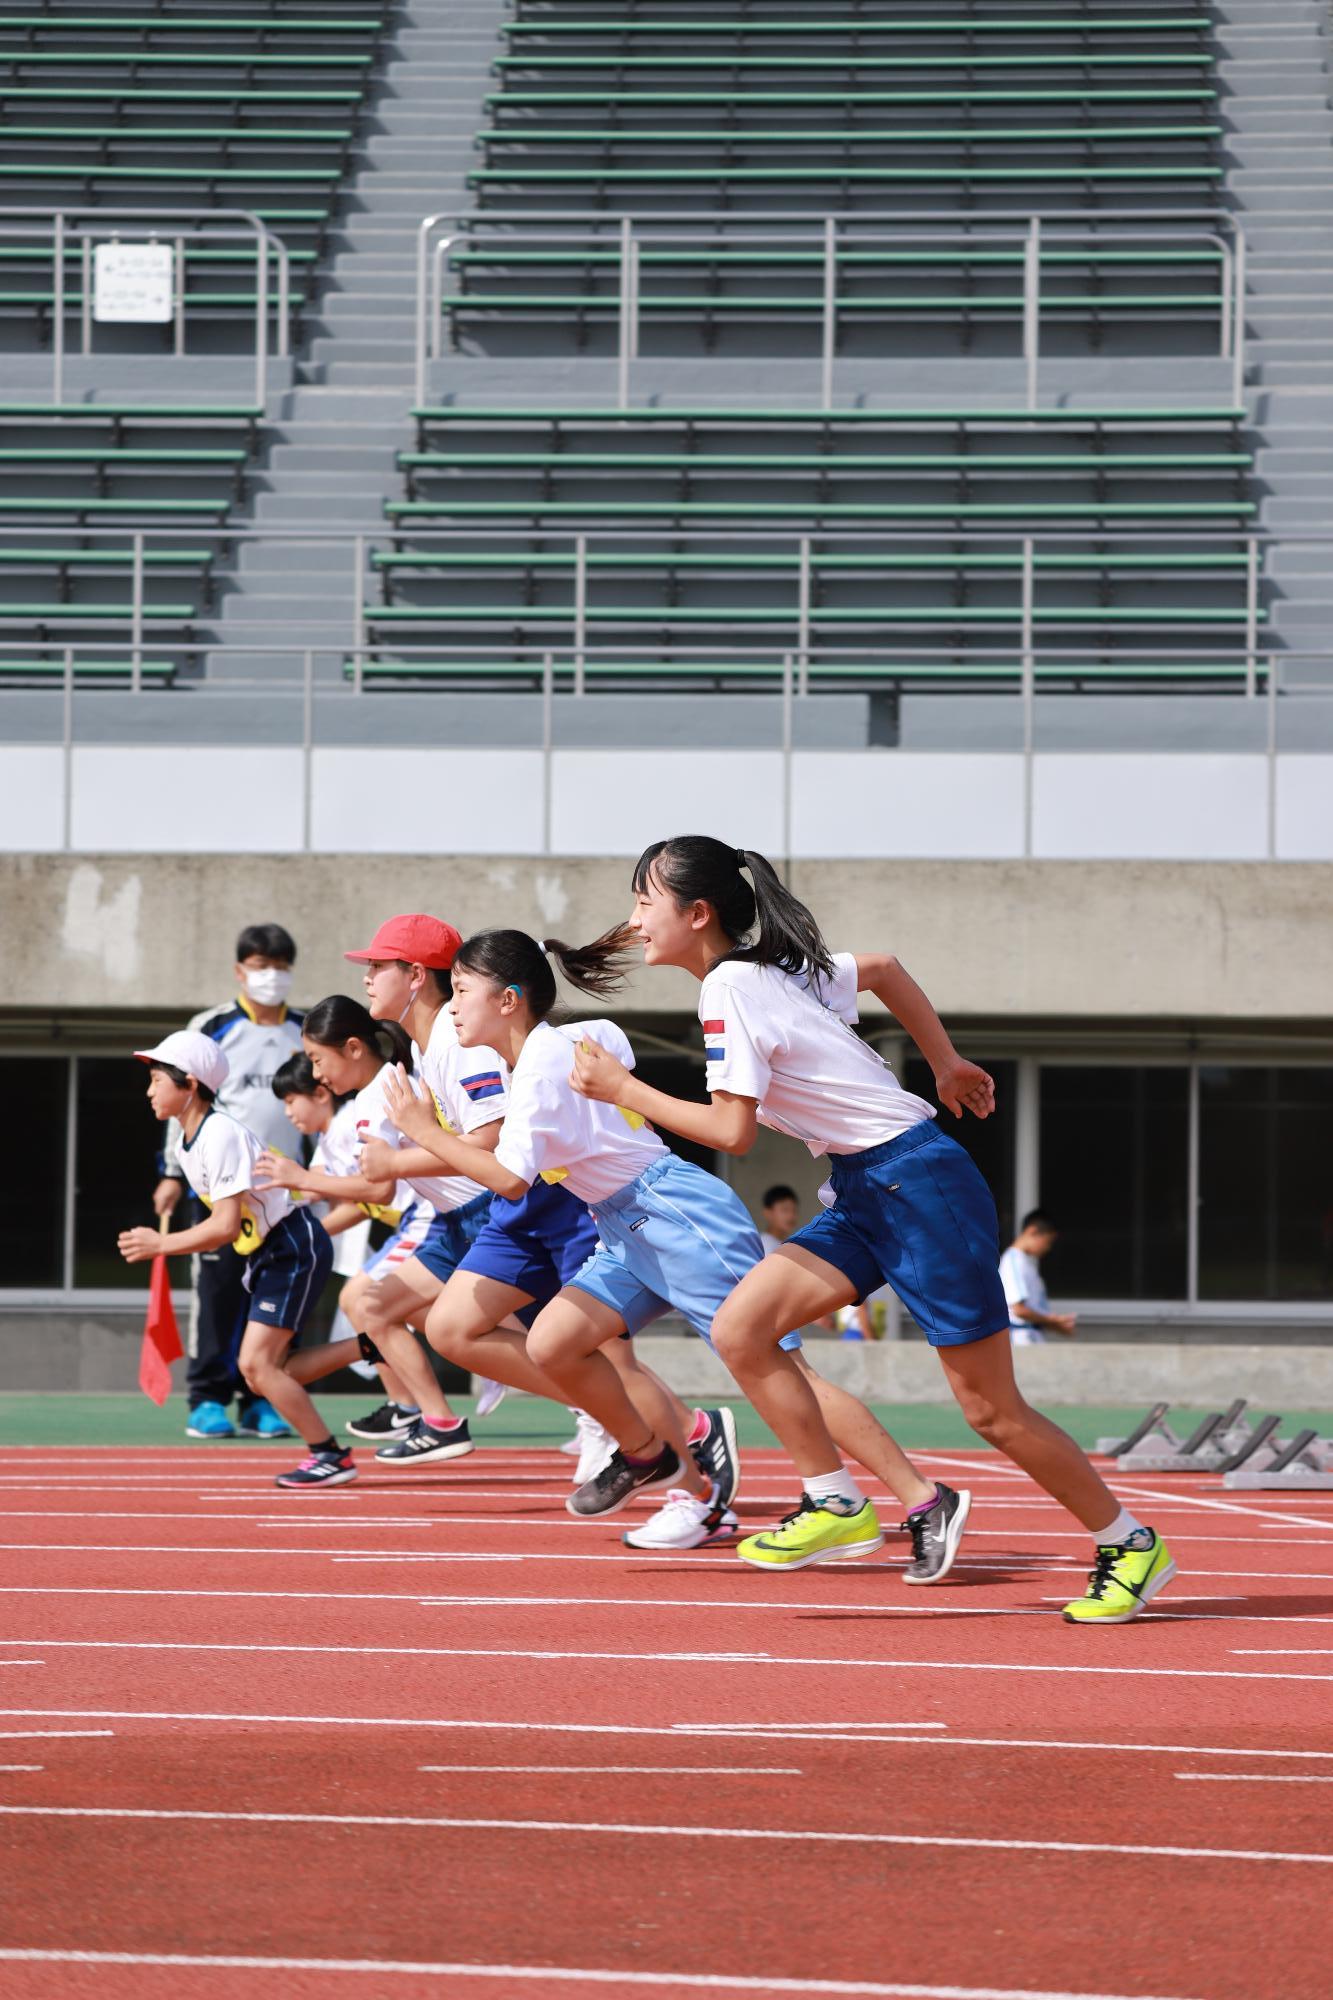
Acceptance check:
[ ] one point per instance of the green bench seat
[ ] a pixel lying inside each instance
(209, 175)
(173, 23)
(83, 614)
(843, 100)
(618, 506)
(81, 505)
(182, 94)
(821, 562)
(159, 672)
(854, 62)
(73, 297)
(98, 559)
(703, 303)
(230, 134)
(860, 26)
(890, 672)
(207, 457)
(744, 135)
(666, 615)
(734, 418)
(26, 59)
(724, 176)
(693, 464)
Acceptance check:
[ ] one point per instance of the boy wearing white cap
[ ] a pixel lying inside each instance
(287, 1252)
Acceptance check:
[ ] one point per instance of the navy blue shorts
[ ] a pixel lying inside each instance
(915, 1213)
(286, 1274)
(535, 1244)
(450, 1236)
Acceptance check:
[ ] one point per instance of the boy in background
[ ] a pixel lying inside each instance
(1030, 1315)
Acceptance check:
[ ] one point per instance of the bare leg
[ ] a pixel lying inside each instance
(312, 1364)
(861, 1436)
(386, 1308)
(981, 1376)
(263, 1352)
(465, 1326)
(788, 1290)
(566, 1342)
(661, 1409)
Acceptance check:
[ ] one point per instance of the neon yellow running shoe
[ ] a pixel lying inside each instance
(1121, 1582)
(814, 1535)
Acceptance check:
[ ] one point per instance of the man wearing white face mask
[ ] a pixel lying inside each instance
(258, 1032)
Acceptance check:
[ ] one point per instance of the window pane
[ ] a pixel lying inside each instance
(1265, 1183)
(32, 1226)
(990, 1141)
(115, 1169)
(1114, 1175)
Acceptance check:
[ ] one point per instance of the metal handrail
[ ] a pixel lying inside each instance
(1223, 231)
(63, 225)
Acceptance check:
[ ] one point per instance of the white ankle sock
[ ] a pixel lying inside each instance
(1119, 1531)
(837, 1485)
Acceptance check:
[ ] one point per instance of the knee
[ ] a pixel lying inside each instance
(990, 1417)
(732, 1337)
(254, 1371)
(545, 1348)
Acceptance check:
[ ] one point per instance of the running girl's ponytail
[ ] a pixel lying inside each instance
(332, 1023)
(512, 958)
(693, 868)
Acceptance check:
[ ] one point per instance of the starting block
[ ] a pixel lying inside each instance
(1222, 1439)
(1302, 1464)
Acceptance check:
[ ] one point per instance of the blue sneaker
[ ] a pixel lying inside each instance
(209, 1420)
(261, 1420)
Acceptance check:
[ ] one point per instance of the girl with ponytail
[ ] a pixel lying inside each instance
(667, 1235)
(905, 1205)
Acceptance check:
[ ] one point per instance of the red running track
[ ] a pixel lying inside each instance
(429, 1733)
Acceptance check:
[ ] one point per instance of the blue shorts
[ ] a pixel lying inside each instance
(916, 1213)
(535, 1244)
(677, 1237)
(451, 1235)
(286, 1274)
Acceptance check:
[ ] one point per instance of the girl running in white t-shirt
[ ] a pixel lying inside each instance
(670, 1234)
(350, 1052)
(905, 1204)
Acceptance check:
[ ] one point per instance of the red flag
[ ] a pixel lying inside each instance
(161, 1336)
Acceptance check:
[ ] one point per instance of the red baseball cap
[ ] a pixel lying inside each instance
(417, 940)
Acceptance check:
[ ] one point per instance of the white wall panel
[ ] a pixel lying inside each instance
(432, 801)
(32, 797)
(1150, 807)
(1305, 808)
(617, 801)
(162, 799)
(861, 804)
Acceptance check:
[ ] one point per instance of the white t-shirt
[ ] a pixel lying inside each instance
(552, 1133)
(338, 1154)
(790, 1045)
(220, 1161)
(1020, 1274)
(442, 1191)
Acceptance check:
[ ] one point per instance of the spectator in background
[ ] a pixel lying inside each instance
(782, 1218)
(258, 1032)
(1030, 1315)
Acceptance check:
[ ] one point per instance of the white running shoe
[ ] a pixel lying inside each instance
(490, 1394)
(595, 1447)
(682, 1522)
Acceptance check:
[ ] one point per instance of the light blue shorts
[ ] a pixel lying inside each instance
(677, 1238)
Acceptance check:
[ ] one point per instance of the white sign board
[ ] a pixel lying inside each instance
(132, 282)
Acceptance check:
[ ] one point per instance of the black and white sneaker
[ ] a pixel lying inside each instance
(322, 1468)
(423, 1443)
(936, 1533)
(618, 1481)
(717, 1457)
(389, 1421)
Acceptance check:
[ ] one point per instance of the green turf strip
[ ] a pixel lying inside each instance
(113, 1419)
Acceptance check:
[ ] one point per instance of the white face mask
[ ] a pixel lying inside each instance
(268, 988)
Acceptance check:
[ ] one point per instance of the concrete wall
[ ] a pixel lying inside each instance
(1132, 941)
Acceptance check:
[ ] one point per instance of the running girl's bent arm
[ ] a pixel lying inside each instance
(959, 1082)
(221, 1225)
(726, 1123)
(473, 1156)
(275, 1170)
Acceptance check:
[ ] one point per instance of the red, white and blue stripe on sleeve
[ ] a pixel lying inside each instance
(486, 1083)
(715, 1047)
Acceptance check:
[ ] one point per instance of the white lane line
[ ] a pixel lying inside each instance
(1125, 1491)
(645, 1830)
(13, 1735)
(619, 1770)
(1254, 1777)
(675, 1730)
(711, 1982)
(1281, 1652)
(22, 1767)
(680, 1658)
